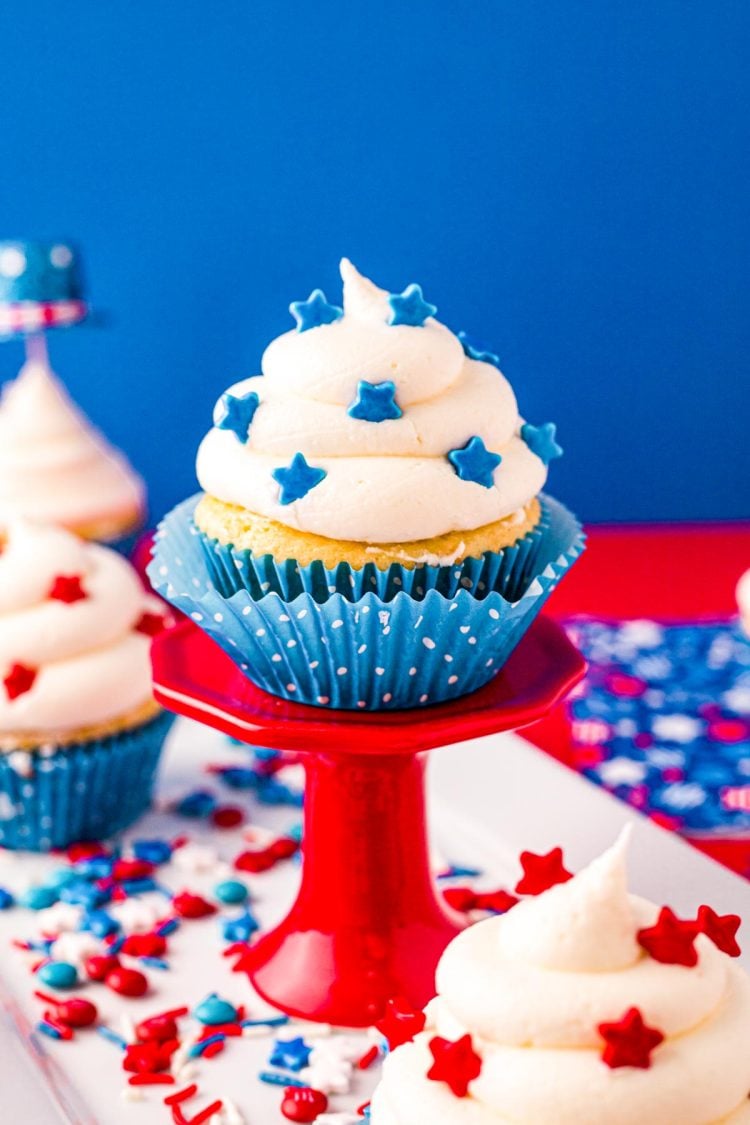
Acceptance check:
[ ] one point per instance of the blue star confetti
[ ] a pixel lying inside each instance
(477, 353)
(410, 307)
(297, 480)
(292, 1054)
(236, 412)
(474, 462)
(314, 312)
(375, 402)
(541, 440)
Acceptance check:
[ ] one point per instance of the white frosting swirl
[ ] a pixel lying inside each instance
(532, 986)
(91, 664)
(388, 481)
(54, 466)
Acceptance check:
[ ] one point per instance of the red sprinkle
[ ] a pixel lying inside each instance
(457, 1064)
(151, 1080)
(67, 588)
(671, 940)
(181, 1095)
(127, 982)
(302, 1103)
(85, 849)
(19, 680)
(204, 1114)
(721, 929)
(629, 1042)
(284, 847)
(540, 872)
(157, 1029)
(401, 1022)
(227, 816)
(188, 905)
(255, 861)
(131, 869)
(144, 945)
(368, 1058)
(151, 624)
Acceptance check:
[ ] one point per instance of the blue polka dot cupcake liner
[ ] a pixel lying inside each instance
(368, 654)
(507, 572)
(51, 797)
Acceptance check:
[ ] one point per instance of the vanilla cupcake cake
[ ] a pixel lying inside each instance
(378, 456)
(56, 468)
(583, 1005)
(80, 732)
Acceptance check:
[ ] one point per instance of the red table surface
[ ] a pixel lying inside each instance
(663, 572)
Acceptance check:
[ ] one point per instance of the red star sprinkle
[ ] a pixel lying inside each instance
(457, 1064)
(721, 929)
(150, 623)
(540, 872)
(67, 588)
(671, 940)
(401, 1022)
(629, 1042)
(188, 905)
(499, 902)
(19, 680)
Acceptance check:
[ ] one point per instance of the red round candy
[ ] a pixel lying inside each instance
(227, 816)
(128, 982)
(76, 1012)
(98, 967)
(157, 1029)
(301, 1103)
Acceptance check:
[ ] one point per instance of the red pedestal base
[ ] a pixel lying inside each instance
(368, 923)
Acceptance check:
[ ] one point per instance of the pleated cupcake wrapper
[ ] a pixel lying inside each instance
(370, 654)
(507, 571)
(84, 791)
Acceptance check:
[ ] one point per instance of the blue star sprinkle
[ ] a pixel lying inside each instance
(476, 353)
(297, 480)
(541, 440)
(475, 463)
(314, 312)
(410, 307)
(236, 412)
(291, 1054)
(375, 402)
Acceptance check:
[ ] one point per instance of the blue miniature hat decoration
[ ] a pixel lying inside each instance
(40, 286)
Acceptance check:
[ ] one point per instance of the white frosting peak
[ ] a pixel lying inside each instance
(586, 924)
(386, 481)
(90, 663)
(362, 298)
(54, 466)
(533, 986)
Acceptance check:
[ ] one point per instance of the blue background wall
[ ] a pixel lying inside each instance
(568, 180)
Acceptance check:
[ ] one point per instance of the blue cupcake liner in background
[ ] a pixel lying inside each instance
(507, 571)
(368, 654)
(84, 791)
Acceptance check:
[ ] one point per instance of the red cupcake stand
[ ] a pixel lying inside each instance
(368, 923)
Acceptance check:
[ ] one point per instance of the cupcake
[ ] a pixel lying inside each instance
(56, 468)
(583, 1005)
(372, 531)
(80, 732)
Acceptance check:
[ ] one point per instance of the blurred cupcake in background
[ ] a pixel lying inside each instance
(373, 532)
(54, 465)
(80, 732)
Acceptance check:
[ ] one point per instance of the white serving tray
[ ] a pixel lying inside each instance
(490, 799)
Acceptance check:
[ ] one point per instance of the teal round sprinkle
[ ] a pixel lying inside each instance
(214, 1010)
(231, 892)
(38, 898)
(58, 974)
(61, 877)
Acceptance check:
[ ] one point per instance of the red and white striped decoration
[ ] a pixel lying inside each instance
(32, 316)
